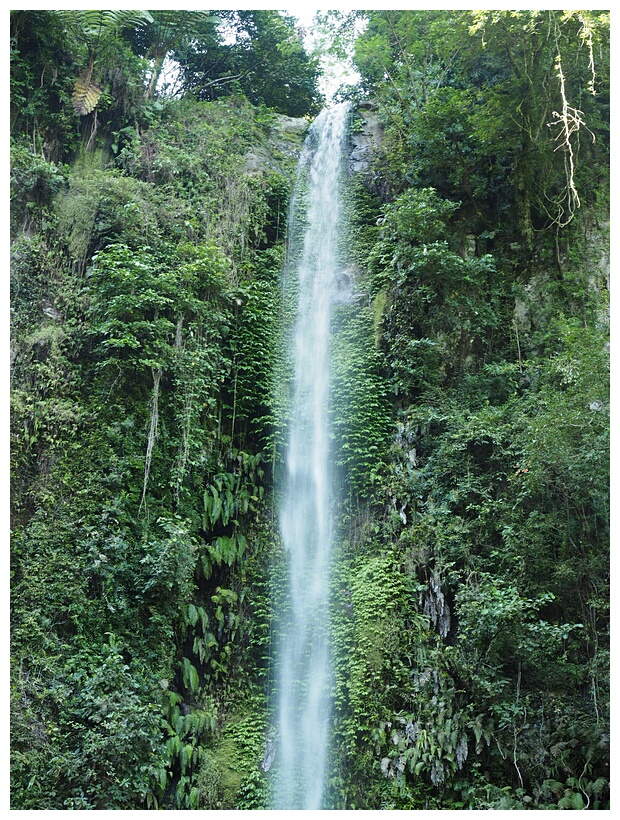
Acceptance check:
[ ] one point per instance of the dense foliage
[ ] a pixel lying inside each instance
(471, 609)
(470, 412)
(263, 56)
(148, 238)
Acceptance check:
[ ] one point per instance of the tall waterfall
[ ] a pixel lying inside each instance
(305, 521)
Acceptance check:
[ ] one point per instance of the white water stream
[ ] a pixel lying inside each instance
(305, 519)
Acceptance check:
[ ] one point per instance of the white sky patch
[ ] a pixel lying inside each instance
(334, 73)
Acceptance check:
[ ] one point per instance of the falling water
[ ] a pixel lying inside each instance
(305, 520)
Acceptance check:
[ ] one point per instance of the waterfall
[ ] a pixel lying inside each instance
(305, 519)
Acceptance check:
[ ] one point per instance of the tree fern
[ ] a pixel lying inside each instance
(96, 30)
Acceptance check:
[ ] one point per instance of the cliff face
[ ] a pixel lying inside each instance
(366, 137)
(282, 147)
(477, 471)
(469, 609)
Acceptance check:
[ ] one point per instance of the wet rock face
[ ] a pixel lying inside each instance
(365, 140)
(287, 135)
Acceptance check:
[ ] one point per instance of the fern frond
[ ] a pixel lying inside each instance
(95, 27)
(85, 96)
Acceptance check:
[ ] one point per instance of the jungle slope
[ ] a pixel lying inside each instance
(470, 412)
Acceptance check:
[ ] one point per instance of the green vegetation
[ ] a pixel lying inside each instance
(145, 313)
(470, 413)
(470, 663)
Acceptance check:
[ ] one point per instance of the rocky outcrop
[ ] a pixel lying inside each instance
(366, 139)
(281, 150)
